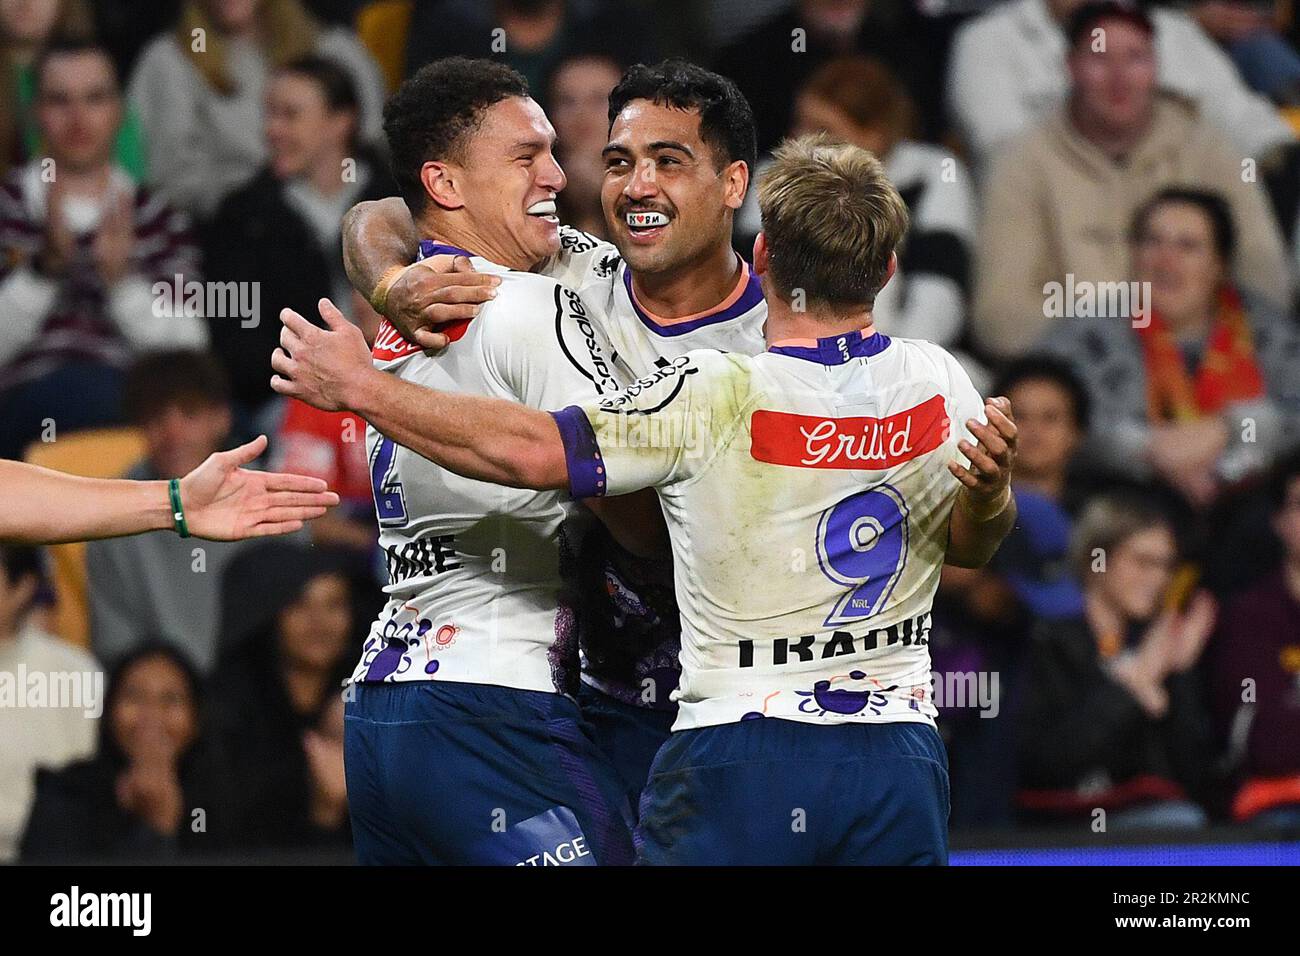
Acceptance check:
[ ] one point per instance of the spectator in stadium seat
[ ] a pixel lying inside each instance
(201, 95)
(1053, 411)
(771, 62)
(1255, 673)
(578, 94)
(83, 247)
(1007, 73)
(1113, 716)
(331, 446)
(860, 101)
(1247, 31)
(983, 616)
(47, 736)
(281, 229)
(537, 35)
(276, 694)
(153, 791)
(25, 29)
(1205, 389)
(1060, 201)
(161, 585)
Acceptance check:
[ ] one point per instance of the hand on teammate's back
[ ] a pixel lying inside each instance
(434, 292)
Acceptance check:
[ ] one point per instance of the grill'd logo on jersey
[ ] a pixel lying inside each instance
(813, 441)
(390, 345)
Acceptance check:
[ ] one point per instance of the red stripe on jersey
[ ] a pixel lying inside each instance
(813, 441)
(390, 345)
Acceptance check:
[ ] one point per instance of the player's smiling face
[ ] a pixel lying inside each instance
(507, 185)
(666, 200)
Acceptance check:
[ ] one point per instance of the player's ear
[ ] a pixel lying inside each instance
(890, 269)
(760, 254)
(440, 184)
(735, 184)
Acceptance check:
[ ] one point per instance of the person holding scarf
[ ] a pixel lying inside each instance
(1200, 386)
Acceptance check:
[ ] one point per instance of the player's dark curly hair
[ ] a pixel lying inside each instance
(430, 115)
(726, 121)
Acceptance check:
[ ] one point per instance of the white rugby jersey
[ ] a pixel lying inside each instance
(638, 340)
(639, 343)
(808, 498)
(474, 568)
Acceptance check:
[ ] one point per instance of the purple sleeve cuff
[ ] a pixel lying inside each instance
(581, 453)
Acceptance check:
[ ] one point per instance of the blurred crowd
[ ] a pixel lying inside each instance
(1104, 202)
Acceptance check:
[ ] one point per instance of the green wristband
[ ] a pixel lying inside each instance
(178, 511)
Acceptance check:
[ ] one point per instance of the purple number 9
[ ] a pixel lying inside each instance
(862, 545)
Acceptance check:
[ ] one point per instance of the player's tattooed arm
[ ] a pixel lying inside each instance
(488, 439)
(985, 511)
(220, 500)
(379, 242)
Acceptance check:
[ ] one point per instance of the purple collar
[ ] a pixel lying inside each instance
(429, 249)
(751, 296)
(834, 349)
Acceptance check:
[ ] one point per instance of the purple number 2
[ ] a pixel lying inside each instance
(390, 501)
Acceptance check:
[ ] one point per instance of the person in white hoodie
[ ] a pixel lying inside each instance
(199, 91)
(1007, 72)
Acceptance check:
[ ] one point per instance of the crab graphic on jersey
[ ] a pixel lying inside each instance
(389, 653)
(824, 698)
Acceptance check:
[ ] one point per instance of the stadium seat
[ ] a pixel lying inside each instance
(95, 453)
(383, 26)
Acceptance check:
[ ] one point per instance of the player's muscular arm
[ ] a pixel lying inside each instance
(489, 439)
(379, 242)
(377, 237)
(985, 511)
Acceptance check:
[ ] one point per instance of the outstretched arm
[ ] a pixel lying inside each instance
(489, 439)
(221, 501)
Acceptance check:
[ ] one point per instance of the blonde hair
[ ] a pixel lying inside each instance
(831, 219)
(286, 31)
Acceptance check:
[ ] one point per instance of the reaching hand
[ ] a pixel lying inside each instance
(432, 293)
(320, 366)
(224, 502)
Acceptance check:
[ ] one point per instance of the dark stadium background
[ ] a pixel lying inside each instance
(1171, 737)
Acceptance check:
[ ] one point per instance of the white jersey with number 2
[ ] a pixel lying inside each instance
(475, 583)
